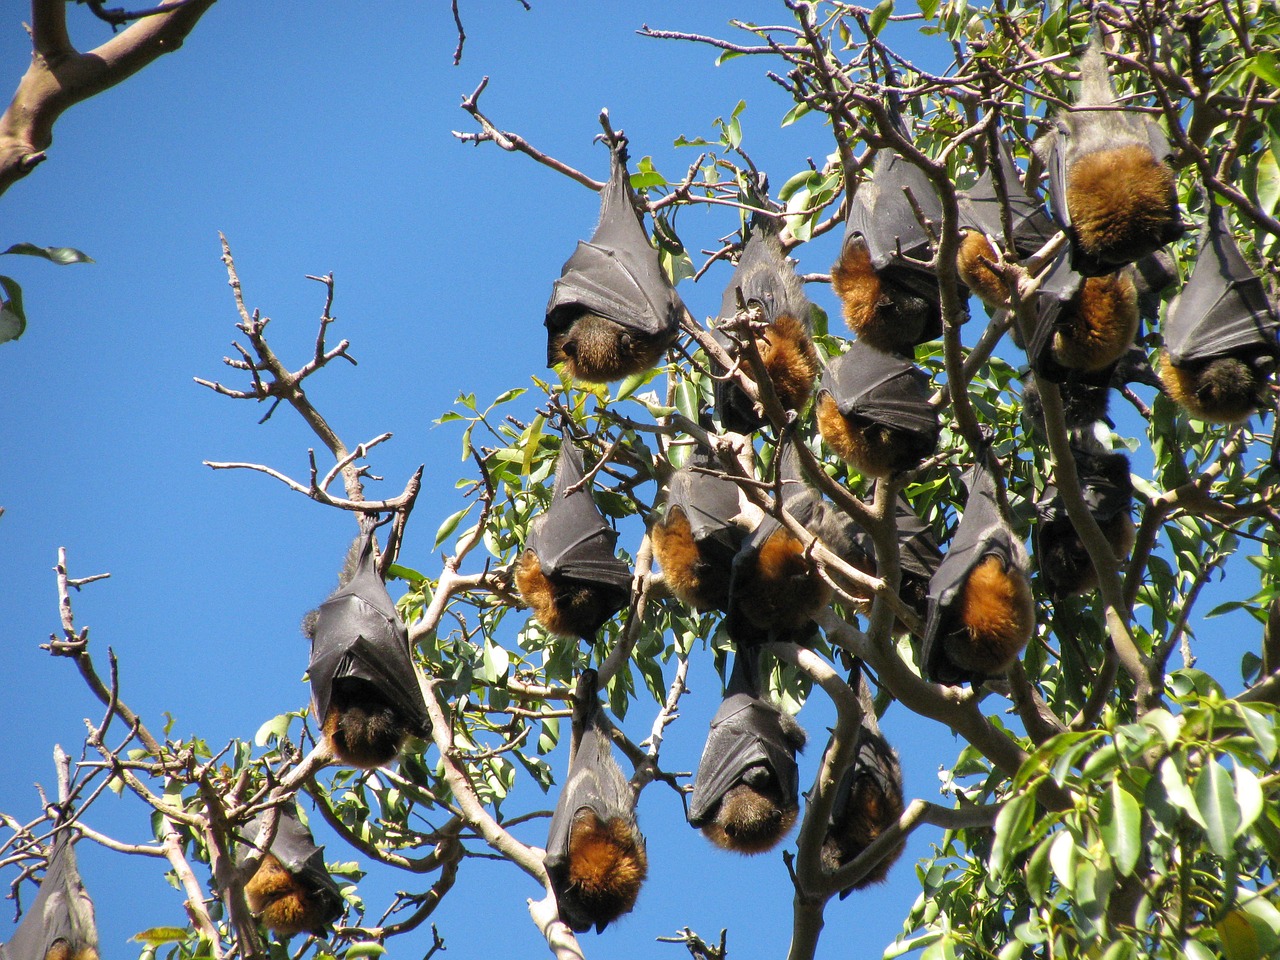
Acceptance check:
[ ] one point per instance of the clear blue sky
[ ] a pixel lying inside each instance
(321, 142)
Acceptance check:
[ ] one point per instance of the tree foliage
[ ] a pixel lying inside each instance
(1107, 803)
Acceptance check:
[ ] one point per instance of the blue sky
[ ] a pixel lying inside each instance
(321, 143)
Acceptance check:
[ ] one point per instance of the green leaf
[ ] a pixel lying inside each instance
(276, 727)
(794, 114)
(407, 574)
(1176, 789)
(60, 255)
(1120, 820)
(1217, 804)
(1195, 950)
(880, 16)
(451, 524)
(1268, 181)
(1261, 728)
(1012, 825)
(929, 8)
(161, 935)
(1239, 942)
(496, 662)
(367, 949)
(1249, 798)
(1264, 67)
(13, 319)
(1062, 858)
(725, 57)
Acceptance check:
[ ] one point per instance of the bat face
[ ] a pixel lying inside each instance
(868, 801)
(745, 794)
(59, 923)
(568, 573)
(981, 609)
(613, 311)
(291, 892)
(596, 857)
(1222, 390)
(364, 685)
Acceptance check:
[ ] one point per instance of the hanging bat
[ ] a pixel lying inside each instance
(746, 791)
(981, 611)
(1082, 323)
(59, 925)
(980, 218)
(774, 584)
(568, 573)
(613, 312)
(699, 534)
(1220, 335)
(291, 892)
(874, 411)
(868, 799)
(890, 299)
(364, 688)
(1085, 398)
(766, 279)
(1152, 275)
(595, 853)
(1110, 184)
(1107, 487)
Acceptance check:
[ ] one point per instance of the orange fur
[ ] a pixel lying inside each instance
(874, 450)
(998, 616)
(281, 902)
(1100, 324)
(694, 581)
(595, 350)
(62, 950)
(861, 295)
(1119, 200)
(871, 811)
(781, 590)
(749, 821)
(1223, 391)
(977, 276)
(790, 359)
(607, 865)
(565, 607)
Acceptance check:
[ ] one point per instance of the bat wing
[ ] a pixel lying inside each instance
(710, 504)
(882, 215)
(765, 277)
(882, 387)
(1056, 163)
(982, 532)
(980, 207)
(572, 538)
(297, 852)
(617, 273)
(918, 551)
(1053, 298)
(1152, 275)
(62, 909)
(1223, 307)
(359, 634)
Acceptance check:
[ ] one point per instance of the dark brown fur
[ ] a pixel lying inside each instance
(781, 590)
(1099, 325)
(607, 865)
(997, 619)
(281, 901)
(1122, 201)
(597, 350)
(1064, 562)
(363, 729)
(689, 575)
(874, 450)
(564, 606)
(790, 359)
(1223, 390)
(871, 810)
(977, 276)
(754, 819)
(62, 950)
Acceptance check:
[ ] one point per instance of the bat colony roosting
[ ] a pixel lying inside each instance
(614, 312)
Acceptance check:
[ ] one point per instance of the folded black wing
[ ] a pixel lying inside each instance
(980, 207)
(297, 852)
(572, 539)
(710, 504)
(62, 910)
(918, 550)
(882, 215)
(1223, 307)
(1053, 299)
(883, 388)
(617, 273)
(359, 634)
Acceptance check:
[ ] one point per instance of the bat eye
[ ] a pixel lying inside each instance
(625, 341)
(569, 348)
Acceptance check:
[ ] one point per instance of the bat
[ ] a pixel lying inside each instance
(291, 892)
(59, 925)
(1107, 487)
(981, 610)
(746, 791)
(364, 687)
(1110, 184)
(874, 411)
(766, 279)
(1220, 333)
(774, 585)
(701, 531)
(1082, 323)
(918, 556)
(596, 856)
(868, 799)
(981, 218)
(1152, 275)
(613, 312)
(1084, 400)
(889, 298)
(568, 573)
